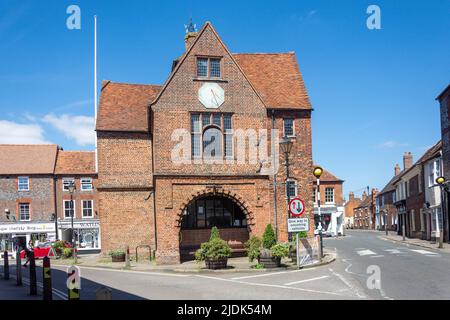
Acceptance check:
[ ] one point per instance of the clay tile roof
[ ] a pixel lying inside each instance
(124, 107)
(27, 159)
(328, 176)
(75, 162)
(277, 78)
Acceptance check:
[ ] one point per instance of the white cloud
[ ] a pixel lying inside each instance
(78, 128)
(17, 133)
(391, 144)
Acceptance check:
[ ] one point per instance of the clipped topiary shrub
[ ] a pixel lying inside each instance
(268, 238)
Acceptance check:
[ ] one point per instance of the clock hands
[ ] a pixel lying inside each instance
(215, 97)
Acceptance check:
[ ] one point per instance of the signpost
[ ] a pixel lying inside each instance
(297, 224)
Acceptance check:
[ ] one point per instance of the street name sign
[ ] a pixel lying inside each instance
(298, 225)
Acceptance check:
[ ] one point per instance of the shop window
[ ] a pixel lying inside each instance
(23, 184)
(86, 184)
(88, 208)
(69, 209)
(24, 212)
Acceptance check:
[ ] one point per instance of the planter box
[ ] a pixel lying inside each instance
(270, 262)
(216, 264)
(118, 258)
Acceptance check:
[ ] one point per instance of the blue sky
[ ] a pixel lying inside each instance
(373, 91)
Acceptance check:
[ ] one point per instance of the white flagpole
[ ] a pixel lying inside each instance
(95, 89)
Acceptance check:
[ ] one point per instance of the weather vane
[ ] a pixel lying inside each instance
(191, 27)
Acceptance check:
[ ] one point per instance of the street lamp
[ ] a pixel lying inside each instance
(286, 147)
(442, 184)
(386, 221)
(317, 172)
(72, 188)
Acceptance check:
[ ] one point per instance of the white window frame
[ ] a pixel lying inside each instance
(296, 188)
(90, 183)
(293, 128)
(74, 210)
(18, 183)
(29, 211)
(82, 209)
(329, 188)
(64, 185)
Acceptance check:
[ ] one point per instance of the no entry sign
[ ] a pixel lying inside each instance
(296, 207)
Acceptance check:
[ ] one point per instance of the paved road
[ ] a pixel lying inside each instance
(405, 273)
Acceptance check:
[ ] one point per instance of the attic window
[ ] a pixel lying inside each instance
(209, 68)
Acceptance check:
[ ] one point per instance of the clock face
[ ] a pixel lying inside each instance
(211, 95)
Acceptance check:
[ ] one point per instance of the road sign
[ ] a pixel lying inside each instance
(298, 224)
(296, 207)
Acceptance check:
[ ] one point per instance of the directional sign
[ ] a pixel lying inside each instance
(296, 207)
(298, 225)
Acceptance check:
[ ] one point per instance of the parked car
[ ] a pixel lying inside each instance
(40, 251)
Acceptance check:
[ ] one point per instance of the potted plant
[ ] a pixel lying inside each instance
(117, 255)
(265, 254)
(214, 252)
(253, 246)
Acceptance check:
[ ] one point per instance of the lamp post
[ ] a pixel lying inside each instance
(442, 184)
(317, 172)
(386, 221)
(286, 147)
(72, 188)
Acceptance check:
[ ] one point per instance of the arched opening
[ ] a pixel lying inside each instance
(207, 211)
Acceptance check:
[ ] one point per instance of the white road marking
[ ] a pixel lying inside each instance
(269, 285)
(393, 251)
(348, 284)
(133, 271)
(424, 252)
(379, 256)
(306, 280)
(365, 252)
(271, 274)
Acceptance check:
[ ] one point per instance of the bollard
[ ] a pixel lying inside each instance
(18, 268)
(47, 279)
(6, 265)
(73, 283)
(103, 294)
(127, 258)
(33, 279)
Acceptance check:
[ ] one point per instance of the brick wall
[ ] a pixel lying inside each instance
(40, 197)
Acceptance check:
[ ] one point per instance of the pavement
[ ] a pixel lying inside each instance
(366, 266)
(416, 242)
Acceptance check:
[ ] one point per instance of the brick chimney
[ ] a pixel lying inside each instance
(351, 196)
(407, 160)
(364, 196)
(397, 170)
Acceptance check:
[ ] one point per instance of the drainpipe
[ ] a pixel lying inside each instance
(274, 177)
(55, 204)
(153, 177)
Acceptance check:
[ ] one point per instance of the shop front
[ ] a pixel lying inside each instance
(86, 234)
(14, 235)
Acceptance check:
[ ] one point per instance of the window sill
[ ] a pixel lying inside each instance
(207, 79)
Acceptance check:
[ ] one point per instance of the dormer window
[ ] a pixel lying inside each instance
(209, 68)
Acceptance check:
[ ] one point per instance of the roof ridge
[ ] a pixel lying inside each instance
(133, 84)
(264, 53)
(30, 144)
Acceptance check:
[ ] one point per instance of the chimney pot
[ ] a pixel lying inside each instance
(397, 170)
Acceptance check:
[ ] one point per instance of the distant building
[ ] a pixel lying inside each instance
(27, 202)
(78, 167)
(444, 102)
(386, 211)
(332, 204)
(349, 206)
(364, 214)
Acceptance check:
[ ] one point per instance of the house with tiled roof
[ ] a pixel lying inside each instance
(79, 208)
(364, 214)
(176, 159)
(331, 204)
(27, 201)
